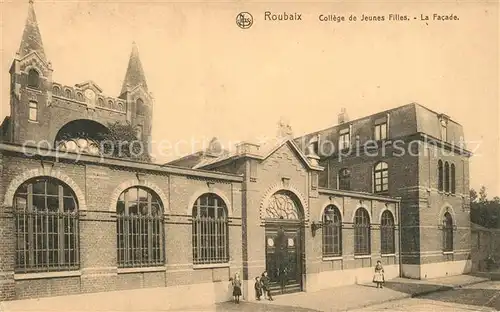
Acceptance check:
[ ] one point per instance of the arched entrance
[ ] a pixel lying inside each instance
(284, 242)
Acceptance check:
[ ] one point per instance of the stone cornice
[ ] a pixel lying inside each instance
(357, 195)
(34, 152)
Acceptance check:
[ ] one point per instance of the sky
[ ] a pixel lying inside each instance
(211, 78)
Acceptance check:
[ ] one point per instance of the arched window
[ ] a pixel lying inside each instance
(56, 90)
(447, 232)
(33, 111)
(139, 106)
(138, 132)
(452, 178)
(362, 232)
(210, 230)
(440, 175)
(100, 102)
(381, 177)
(68, 93)
(344, 179)
(332, 232)
(446, 177)
(110, 104)
(33, 79)
(79, 97)
(387, 230)
(46, 216)
(139, 230)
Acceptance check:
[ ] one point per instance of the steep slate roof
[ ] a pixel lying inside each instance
(32, 39)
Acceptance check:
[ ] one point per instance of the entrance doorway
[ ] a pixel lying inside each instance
(284, 257)
(284, 243)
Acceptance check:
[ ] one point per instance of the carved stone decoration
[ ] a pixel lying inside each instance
(282, 206)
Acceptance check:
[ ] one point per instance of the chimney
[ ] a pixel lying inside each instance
(343, 116)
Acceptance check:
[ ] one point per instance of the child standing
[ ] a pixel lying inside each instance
(378, 278)
(236, 288)
(258, 288)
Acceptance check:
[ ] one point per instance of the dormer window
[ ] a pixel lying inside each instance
(79, 97)
(444, 130)
(380, 129)
(33, 79)
(443, 124)
(344, 139)
(68, 93)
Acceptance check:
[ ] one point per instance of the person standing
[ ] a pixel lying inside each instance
(265, 280)
(378, 278)
(258, 288)
(236, 287)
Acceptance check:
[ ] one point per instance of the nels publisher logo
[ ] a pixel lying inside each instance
(244, 20)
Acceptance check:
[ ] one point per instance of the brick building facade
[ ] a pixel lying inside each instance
(74, 221)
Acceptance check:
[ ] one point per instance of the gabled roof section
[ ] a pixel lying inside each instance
(135, 74)
(89, 84)
(260, 152)
(32, 39)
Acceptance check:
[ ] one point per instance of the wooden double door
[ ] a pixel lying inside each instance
(284, 257)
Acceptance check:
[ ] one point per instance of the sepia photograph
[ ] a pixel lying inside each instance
(302, 156)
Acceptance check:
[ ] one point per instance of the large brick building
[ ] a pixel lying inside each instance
(75, 221)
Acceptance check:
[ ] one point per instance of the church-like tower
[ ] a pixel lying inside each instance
(50, 114)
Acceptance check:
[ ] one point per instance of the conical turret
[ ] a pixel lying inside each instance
(135, 74)
(32, 40)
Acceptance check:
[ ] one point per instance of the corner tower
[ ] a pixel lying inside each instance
(139, 99)
(30, 86)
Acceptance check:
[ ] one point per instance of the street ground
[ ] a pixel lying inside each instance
(455, 293)
(479, 297)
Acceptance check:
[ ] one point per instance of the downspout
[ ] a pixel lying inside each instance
(399, 238)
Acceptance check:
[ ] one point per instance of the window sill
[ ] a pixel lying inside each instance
(362, 256)
(388, 255)
(33, 121)
(141, 270)
(30, 276)
(332, 258)
(33, 89)
(448, 252)
(210, 266)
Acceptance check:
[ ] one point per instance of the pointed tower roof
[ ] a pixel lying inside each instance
(135, 74)
(32, 40)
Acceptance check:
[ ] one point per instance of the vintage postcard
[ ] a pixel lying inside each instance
(249, 156)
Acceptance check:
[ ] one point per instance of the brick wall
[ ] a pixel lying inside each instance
(99, 186)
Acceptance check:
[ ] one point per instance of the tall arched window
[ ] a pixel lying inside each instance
(447, 232)
(100, 102)
(452, 179)
(387, 230)
(344, 179)
(139, 230)
(68, 93)
(139, 106)
(381, 177)
(56, 90)
(332, 232)
(210, 230)
(446, 177)
(46, 216)
(362, 232)
(440, 175)
(33, 79)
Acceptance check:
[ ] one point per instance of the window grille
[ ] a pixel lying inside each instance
(387, 236)
(362, 232)
(332, 232)
(140, 229)
(46, 216)
(210, 230)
